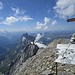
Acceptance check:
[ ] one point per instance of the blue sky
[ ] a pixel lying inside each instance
(36, 15)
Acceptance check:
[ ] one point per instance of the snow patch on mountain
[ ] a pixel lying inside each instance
(23, 39)
(38, 37)
(40, 45)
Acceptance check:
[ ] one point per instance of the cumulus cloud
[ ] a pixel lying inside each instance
(46, 27)
(46, 20)
(65, 8)
(17, 11)
(1, 5)
(54, 22)
(11, 19)
(18, 16)
(39, 25)
(42, 25)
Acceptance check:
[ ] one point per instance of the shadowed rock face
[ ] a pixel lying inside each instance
(43, 62)
(27, 50)
(20, 52)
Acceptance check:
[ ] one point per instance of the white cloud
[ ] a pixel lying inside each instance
(38, 37)
(11, 19)
(46, 20)
(54, 22)
(17, 17)
(1, 5)
(65, 8)
(17, 11)
(42, 25)
(39, 25)
(46, 27)
(24, 18)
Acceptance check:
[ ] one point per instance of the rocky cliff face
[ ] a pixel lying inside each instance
(43, 62)
(20, 52)
(25, 50)
(28, 52)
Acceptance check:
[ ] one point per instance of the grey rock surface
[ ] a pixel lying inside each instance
(43, 62)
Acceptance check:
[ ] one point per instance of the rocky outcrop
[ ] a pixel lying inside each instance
(20, 52)
(1, 73)
(25, 51)
(28, 52)
(43, 62)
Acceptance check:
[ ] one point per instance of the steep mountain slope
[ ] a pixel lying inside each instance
(20, 52)
(43, 62)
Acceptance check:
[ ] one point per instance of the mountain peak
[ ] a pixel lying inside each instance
(25, 34)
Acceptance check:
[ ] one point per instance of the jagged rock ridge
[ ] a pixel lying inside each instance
(43, 62)
(20, 52)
